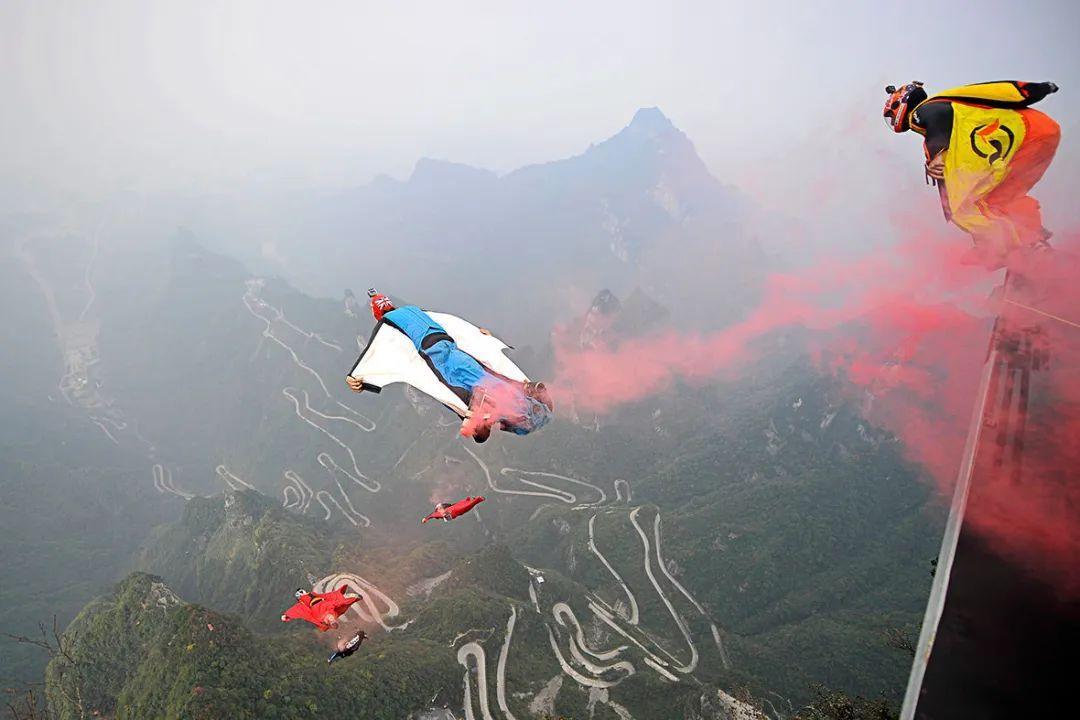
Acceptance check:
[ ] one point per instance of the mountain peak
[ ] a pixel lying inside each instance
(652, 126)
(433, 171)
(651, 118)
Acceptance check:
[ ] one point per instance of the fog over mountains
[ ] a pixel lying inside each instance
(173, 370)
(639, 209)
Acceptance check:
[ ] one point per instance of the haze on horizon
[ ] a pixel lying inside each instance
(756, 330)
(194, 97)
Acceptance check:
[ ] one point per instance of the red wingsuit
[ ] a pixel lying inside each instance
(321, 609)
(444, 511)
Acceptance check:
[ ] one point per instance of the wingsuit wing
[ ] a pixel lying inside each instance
(1001, 93)
(391, 357)
(299, 611)
(487, 349)
(338, 600)
(463, 506)
(321, 604)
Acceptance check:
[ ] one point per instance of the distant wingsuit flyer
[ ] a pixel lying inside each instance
(449, 511)
(320, 609)
(345, 648)
(985, 149)
(453, 361)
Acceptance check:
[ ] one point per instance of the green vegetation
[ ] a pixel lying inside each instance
(144, 653)
(801, 529)
(240, 553)
(835, 705)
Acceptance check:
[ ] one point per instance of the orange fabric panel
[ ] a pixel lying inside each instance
(1005, 216)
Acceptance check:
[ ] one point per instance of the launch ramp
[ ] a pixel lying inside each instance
(999, 640)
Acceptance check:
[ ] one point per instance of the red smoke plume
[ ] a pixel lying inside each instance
(898, 293)
(909, 328)
(494, 405)
(452, 481)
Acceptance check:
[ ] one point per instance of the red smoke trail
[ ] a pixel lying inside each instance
(453, 481)
(909, 328)
(1034, 516)
(881, 288)
(496, 405)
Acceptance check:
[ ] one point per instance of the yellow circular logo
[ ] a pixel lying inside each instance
(993, 142)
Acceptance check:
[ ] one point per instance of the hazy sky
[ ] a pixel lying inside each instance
(173, 95)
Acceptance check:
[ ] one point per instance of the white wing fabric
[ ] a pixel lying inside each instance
(488, 349)
(390, 357)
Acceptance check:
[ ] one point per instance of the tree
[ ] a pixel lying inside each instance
(836, 705)
(901, 639)
(24, 704)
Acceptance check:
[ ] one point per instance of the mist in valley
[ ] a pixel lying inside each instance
(689, 222)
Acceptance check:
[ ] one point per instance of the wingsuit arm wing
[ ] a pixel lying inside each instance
(296, 612)
(1001, 93)
(1038, 91)
(390, 357)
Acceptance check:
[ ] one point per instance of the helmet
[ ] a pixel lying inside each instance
(900, 104)
(300, 592)
(380, 304)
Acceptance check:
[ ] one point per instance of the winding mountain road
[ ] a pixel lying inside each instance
(689, 666)
(599, 670)
(634, 613)
(297, 493)
(163, 482)
(475, 651)
(545, 491)
(367, 609)
(231, 480)
(359, 478)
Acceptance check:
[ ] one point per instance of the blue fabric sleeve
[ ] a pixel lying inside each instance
(414, 322)
(457, 368)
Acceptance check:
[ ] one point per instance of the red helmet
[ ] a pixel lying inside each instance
(900, 104)
(380, 304)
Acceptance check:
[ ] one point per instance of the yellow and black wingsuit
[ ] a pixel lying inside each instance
(996, 148)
